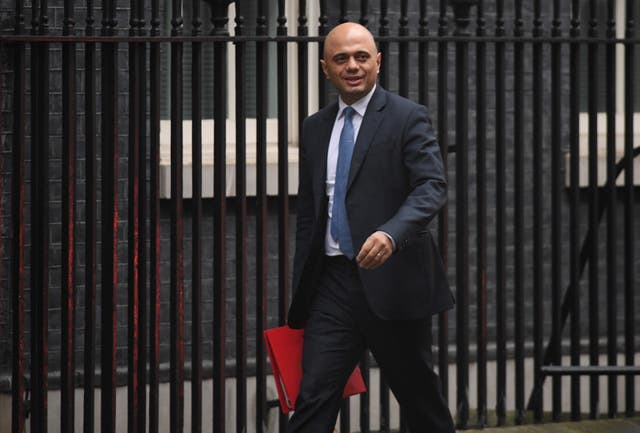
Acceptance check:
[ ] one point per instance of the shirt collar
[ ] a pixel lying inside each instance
(360, 106)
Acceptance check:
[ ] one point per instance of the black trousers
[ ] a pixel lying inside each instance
(340, 328)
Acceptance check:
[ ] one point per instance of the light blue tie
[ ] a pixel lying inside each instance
(339, 222)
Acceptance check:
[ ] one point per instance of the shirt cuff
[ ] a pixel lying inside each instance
(391, 239)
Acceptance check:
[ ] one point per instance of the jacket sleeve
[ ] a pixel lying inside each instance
(426, 179)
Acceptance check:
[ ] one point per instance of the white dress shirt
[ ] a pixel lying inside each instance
(331, 246)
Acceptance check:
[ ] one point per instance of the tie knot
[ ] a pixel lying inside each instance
(348, 112)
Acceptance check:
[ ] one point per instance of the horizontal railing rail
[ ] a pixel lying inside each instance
(9, 38)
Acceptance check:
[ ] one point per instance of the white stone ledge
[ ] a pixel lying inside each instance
(601, 134)
(208, 159)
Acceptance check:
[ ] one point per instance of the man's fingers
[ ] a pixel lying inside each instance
(373, 259)
(375, 251)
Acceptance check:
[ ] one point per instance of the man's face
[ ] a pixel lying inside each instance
(351, 61)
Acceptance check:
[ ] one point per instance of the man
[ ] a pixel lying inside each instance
(367, 273)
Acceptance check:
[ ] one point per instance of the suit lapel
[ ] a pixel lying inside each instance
(321, 147)
(370, 122)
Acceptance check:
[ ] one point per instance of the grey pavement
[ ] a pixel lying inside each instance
(619, 425)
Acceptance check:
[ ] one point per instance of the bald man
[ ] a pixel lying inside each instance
(367, 273)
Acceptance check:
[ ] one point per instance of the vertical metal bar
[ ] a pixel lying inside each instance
(220, 19)
(365, 416)
(443, 217)
(133, 245)
(383, 79)
(261, 212)
(501, 313)
(176, 295)
(611, 192)
(154, 219)
(90, 226)
(593, 78)
(40, 221)
(1, 189)
(403, 56)
(629, 280)
(16, 273)
(461, 13)
(303, 66)
(11, 348)
(574, 145)
(481, 215)
(343, 12)
(364, 12)
(537, 142)
(556, 204)
(283, 161)
(519, 213)
(196, 235)
(423, 55)
(322, 31)
(383, 31)
(241, 231)
(142, 224)
(283, 181)
(141, 21)
(67, 373)
(109, 188)
(385, 424)
(133, 249)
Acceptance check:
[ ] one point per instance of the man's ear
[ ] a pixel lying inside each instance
(379, 60)
(324, 67)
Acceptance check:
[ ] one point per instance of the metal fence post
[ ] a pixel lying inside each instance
(219, 18)
(462, 12)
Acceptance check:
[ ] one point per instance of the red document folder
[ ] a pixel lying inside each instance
(284, 347)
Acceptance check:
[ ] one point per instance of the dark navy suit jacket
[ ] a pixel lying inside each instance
(396, 184)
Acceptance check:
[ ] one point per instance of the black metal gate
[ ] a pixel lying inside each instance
(537, 106)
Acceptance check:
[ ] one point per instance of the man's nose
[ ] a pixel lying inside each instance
(351, 63)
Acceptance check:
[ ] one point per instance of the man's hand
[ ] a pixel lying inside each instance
(375, 251)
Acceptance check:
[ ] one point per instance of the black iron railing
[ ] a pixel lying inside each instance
(526, 248)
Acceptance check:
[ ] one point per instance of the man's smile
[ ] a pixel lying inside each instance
(353, 81)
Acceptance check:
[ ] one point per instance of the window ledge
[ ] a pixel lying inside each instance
(583, 177)
(208, 160)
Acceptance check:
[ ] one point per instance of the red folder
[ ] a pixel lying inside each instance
(284, 347)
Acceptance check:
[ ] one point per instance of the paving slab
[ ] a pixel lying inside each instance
(621, 425)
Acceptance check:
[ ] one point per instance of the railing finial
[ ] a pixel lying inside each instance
(462, 14)
(219, 15)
